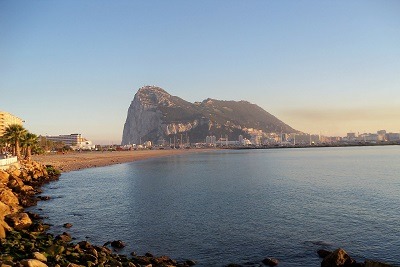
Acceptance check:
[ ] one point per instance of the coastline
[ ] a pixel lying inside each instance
(24, 237)
(62, 250)
(73, 161)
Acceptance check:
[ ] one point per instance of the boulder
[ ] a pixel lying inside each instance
(85, 245)
(67, 225)
(8, 197)
(74, 265)
(337, 258)
(117, 244)
(26, 189)
(33, 263)
(15, 173)
(4, 176)
(270, 261)
(19, 221)
(65, 237)
(39, 256)
(4, 210)
(4, 228)
(15, 182)
(190, 262)
(2, 232)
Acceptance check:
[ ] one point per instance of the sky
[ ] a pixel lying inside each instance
(325, 67)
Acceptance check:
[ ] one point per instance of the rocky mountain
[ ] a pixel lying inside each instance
(155, 115)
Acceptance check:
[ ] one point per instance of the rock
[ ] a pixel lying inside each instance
(74, 265)
(33, 263)
(9, 198)
(15, 173)
(2, 232)
(39, 256)
(4, 176)
(190, 262)
(369, 263)
(55, 250)
(270, 261)
(44, 198)
(34, 216)
(85, 245)
(117, 244)
(322, 253)
(163, 260)
(15, 182)
(148, 254)
(4, 210)
(337, 258)
(65, 237)
(4, 228)
(67, 225)
(19, 221)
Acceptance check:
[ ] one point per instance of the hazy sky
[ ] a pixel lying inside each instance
(321, 66)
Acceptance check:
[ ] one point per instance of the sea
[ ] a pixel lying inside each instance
(239, 206)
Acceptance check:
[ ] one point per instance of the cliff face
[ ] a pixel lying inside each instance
(154, 115)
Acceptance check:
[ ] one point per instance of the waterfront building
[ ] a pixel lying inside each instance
(393, 136)
(241, 139)
(368, 137)
(351, 136)
(381, 135)
(226, 142)
(75, 141)
(7, 119)
(211, 140)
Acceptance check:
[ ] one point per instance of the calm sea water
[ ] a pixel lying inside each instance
(231, 206)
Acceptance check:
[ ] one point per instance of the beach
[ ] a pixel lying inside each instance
(72, 161)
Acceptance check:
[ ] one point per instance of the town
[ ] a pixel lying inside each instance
(258, 139)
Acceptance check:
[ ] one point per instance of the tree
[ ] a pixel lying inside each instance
(14, 134)
(28, 141)
(3, 144)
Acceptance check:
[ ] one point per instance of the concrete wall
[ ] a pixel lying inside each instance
(5, 162)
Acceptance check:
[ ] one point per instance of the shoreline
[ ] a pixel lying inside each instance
(24, 237)
(63, 250)
(74, 161)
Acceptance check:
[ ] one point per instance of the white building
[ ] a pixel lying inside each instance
(75, 141)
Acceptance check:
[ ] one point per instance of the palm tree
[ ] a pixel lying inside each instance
(3, 144)
(14, 134)
(28, 141)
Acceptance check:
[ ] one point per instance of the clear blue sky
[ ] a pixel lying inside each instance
(320, 66)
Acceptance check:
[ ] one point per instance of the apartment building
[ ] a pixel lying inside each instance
(6, 119)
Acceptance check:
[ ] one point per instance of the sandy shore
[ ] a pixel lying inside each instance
(72, 161)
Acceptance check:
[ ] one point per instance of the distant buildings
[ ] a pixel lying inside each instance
(211, 140)
(351, 136)
(75, 141)
(6, 119)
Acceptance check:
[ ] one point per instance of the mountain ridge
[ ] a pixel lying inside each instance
(155, 115)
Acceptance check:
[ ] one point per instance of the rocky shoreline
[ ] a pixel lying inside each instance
(24, 240)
